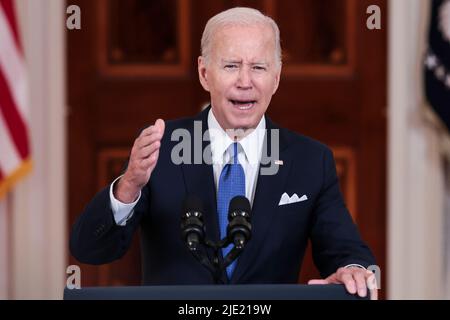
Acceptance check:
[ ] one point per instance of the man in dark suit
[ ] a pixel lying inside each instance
(294, 197)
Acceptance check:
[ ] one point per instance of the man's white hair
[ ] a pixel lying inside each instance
(239, 16)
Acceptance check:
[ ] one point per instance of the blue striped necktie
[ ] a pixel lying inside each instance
(231, 184)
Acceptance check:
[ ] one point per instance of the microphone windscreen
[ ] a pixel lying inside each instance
(192, 203)
(239, 203)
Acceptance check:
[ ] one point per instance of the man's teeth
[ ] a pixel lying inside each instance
(243, 105)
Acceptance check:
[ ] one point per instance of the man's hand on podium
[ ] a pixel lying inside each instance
(356, 280)
(143, 158)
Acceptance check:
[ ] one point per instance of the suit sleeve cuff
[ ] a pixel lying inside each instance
(121, 211)
(355, 265)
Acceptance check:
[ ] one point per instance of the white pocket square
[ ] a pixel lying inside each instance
(285, 199)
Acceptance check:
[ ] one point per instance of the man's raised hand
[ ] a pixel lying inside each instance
(143, 158)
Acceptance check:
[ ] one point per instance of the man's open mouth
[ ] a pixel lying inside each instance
(243, 104)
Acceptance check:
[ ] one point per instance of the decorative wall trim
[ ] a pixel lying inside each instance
(323, 70)
(145, 70)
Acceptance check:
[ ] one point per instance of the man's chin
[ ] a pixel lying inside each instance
(243, 124)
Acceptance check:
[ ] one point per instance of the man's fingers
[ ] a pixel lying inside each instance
(148, 150)
(148, 131)
(160, 125)
(151, 160)
(151, 134)
(318, 281)
(371, 280)
(157, 127)
(355, 281)
(372, 285)
(360, 280)
(348, 281)
(147, 140)
(373, 294)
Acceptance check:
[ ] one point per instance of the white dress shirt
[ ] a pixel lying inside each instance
(249, 156)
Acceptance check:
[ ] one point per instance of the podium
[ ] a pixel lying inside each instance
(214, 292)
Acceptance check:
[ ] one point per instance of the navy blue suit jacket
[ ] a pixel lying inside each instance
(280, 233)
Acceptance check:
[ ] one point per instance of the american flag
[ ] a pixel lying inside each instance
(15, 159)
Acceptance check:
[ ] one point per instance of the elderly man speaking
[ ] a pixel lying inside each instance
(240, 66)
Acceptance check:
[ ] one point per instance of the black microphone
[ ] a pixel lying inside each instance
(239, 230)
(192, 227)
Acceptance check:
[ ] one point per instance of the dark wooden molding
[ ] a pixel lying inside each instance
(345, 70)
(145, 70)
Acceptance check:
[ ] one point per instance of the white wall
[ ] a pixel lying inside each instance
(38, 226)
(415, 178)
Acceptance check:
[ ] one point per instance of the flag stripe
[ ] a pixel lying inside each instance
(12, 119)
(8, 9)
(13, 66)
(10, 158)
(15, 159)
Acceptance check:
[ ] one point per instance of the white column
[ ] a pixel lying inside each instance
(39, 244)
(447, 229)
(416, 181)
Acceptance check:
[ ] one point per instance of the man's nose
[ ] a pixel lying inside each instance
(245, 80)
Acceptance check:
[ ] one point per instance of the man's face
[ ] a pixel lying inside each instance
(241, 74)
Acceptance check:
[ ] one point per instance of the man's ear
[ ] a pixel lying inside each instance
(202, 74)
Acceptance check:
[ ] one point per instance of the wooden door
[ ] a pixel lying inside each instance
(135, 60)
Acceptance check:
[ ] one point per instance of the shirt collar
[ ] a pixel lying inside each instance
(252, 144)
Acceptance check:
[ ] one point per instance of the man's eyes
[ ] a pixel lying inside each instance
(235, 66)
(259, 68)
(231, 66)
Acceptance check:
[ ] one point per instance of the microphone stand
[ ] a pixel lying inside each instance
(214, 266)
(230, 257)
(238, 233)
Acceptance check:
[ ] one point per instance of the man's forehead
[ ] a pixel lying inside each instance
(249, 44)
(251, 57)
(228, 40)
(241, 61)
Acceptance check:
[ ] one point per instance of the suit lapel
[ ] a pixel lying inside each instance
(199, 181)
(265, 203)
